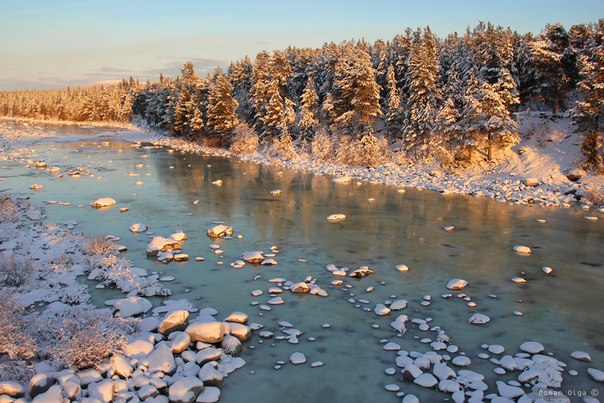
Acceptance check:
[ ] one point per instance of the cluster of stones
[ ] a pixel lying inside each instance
(172, 360)
(167, 249)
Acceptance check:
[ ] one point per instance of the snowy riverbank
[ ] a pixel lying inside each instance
(534, 172)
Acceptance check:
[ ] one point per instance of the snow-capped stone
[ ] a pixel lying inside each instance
(448, 386)
(40, 383)
(522, 250)
(496, 349)
(398, 305)
(252, 256)
(89, 376)
(391, 346)
(547, 270)
(138, 347)
(426, 380)
(575, 175)
(275, 301)
(399, 324)
(596, 374)
(220, 230)
(160, 244)
(237, 317)
(443, 372)
(336, 217)
(381, 310)
(531, 182)
(392, 387)
(402, 268)
(317, 364)
(209, 394)
(138, 227)
(181, 257)
(297, 358)
(581, 356)
(231, 345)
(161, 359)
(210, 375)
(276, 192)
(52, 395)
(12, 389)
(532, 347)
(103, 202)
(180, 342)
(36, 187)
(174, 321)
(457, 284)
(207, 354)
(103, 391)
(410, 370)
(507, 391)
(217, 182)
(300, 287)
(207, 332)
(519, 280)
(268, 262)
(479, 319)
(361, 272)
(132, 306)
(185, 390)
(147, 392)
(461, 361)
(179, 236)
(121, 366)
(410, 398)
(240, 331)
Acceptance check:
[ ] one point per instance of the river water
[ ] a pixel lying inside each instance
(383, 228)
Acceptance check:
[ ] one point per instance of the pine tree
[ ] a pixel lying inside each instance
(222, 107)
(309, 110)
(394, 116)
(589, 109)
(424, 93)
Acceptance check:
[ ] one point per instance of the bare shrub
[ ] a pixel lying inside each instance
(322, 148)
(83, 337)
(15, 371)
(99, 246)
(245, 140)
(13, 272)
(283, 147)
(9, 211)
(15, 339)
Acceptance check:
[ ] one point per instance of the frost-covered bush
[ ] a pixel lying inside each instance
(9, 211)
(13, 272)
(15, 339)
(99, 246)
(283, 148)
(368, 150)
(322, 148)
(82, 337)
(245, 140)
(15, 371)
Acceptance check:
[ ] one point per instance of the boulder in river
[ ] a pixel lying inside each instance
(220, 230)
(161, 244)
(103, 202)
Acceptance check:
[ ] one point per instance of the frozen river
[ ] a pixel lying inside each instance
(384, 227)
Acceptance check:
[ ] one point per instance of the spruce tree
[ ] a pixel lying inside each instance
(309, 110)
(222, 107)
(394, 116)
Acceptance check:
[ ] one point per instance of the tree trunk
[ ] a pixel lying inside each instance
(490, 146)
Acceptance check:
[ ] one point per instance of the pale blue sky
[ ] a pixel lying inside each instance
(49, 44)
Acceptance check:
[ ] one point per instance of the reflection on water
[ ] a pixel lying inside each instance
(383, 228)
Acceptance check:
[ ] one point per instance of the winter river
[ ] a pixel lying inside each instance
(383, 228)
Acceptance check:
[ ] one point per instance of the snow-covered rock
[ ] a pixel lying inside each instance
(522, 250)
(138, 227)
(160, 244)
(336, 217)
(210, 394)
(220, 230)
(176, 320)
(132, 306)
(161, 359)
(252, 256)
(231, 345)
(581, 356)
(40, 383)
(12, 389)
(300, 287)
(381, 310)
(103, 202)
(185, 390)
(210, 375)
(457, 284)
(121, 366)
(398, 305)
(532, 347)
(239, 330)
(297, 358)
(426, 380)
(479, 319)
(179, 236)
(237, 317)
(596, 374)
(180, 342)
(52, 395)
(207, 332)
(102, 391)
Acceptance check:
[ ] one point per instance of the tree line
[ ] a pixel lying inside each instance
(415, 96)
